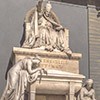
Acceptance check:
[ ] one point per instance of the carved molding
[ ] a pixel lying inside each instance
(32, 52)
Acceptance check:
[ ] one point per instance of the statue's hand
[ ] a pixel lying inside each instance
(60, 28)
(44, 71)
(37, 36)
(40, 69)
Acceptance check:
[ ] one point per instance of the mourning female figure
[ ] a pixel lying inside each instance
(24, 71)
(87, 92)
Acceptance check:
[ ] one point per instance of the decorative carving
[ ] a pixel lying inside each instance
(43, 30)
(87, 92)
(23, 72)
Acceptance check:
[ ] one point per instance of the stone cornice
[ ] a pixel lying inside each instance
(33, 52)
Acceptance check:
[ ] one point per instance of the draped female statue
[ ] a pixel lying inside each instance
(45, 30)
(23, 72)
(87, 92)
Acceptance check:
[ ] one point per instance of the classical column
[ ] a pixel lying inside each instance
(32, 94)
(71, 91)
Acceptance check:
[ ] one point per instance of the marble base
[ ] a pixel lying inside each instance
(56, 84)
(63, 80)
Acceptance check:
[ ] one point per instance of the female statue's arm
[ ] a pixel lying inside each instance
(82, 94)
(34, 77)
(93, 96)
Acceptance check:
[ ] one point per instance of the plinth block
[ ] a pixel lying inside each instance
(57, 83)
(51, 60)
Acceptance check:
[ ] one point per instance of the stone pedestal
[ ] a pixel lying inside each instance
(56, 85)
(63, 80)
(51, 60)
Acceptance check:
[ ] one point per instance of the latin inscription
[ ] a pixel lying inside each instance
(54, 63)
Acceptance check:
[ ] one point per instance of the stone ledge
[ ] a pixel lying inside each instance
(57, 82)
(42, 53)
(63, 75)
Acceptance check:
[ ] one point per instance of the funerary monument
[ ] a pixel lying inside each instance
(44, 67)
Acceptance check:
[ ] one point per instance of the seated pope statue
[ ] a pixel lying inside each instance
(44, 30)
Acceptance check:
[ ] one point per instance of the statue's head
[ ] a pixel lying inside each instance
(40, 6)
(36, 61)
(89, 84)
(48, 6)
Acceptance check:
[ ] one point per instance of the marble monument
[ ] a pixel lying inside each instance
(44, 66)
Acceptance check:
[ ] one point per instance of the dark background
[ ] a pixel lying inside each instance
(82, 2)
(12, 13)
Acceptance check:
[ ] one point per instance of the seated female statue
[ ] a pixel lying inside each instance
(87, 92)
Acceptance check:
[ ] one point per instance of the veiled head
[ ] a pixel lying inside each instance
(89, 84)
(36, 61)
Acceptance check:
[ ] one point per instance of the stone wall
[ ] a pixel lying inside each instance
(94, 44)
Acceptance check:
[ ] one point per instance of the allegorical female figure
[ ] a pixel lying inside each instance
(87, 92)
(24, 71)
